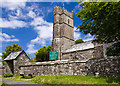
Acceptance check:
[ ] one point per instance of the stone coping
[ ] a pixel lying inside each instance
(105, 58)
(54, 62)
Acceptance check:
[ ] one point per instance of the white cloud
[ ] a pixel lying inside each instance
(4, 35)
(44, 30)
(76, 35)
(39, 21)
(88, 37)
(12, 23)
(13, 4)
(18, 12)
(66, 0)
(31, 14)
(6, 38)
(36, 40)
(31, 49)
(75, 29)
(12, 36)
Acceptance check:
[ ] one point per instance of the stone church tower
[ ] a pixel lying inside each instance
(63, 32)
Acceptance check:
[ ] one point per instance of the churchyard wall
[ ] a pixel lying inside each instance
(108, 66)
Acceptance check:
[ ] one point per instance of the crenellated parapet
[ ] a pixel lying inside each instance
(57, 10)
(68, 13)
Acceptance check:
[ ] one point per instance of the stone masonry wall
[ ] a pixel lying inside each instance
(96, 66)
(21, 60)
(57, 68)
(85, 54)
(109, 66)
(99, 51)
(8, 67)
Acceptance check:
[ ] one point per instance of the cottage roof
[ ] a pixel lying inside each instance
(13, 55)
(81, 46)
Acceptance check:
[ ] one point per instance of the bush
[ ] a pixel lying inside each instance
(8, 75)
(78, 41)
(27, 77)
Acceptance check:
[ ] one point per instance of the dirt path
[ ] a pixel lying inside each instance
(19, 83)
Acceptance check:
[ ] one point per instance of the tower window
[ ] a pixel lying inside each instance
(68, 21)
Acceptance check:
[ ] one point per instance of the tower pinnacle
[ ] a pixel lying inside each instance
(72, 12)
(63, 6)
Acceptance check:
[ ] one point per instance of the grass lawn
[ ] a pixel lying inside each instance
(69, 79)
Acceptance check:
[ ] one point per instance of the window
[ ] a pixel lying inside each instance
(68, 21)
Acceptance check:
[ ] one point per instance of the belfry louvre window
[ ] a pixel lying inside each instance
(68, 21)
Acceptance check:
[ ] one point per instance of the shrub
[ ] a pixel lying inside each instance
(78, 41)
(8, 75)
(27, 77)
(22, 75)
(2, 73)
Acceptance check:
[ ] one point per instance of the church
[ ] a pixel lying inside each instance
(63, 39)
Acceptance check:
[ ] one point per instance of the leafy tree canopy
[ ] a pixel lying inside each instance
(78, 41)
(102, 20)
(114, 50)
(43, 53)
(9, 49)
(31, 60)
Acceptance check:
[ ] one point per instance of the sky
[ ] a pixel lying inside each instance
(30, 24)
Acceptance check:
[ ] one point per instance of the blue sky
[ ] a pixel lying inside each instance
(30, 24)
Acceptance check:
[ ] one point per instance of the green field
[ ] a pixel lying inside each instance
(68, 79)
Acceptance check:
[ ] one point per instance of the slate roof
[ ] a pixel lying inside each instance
(81, 46)
(13, 55)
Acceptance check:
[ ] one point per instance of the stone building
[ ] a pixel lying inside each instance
(63, 38)
(63, 32)
(84, 50)
(13, 60)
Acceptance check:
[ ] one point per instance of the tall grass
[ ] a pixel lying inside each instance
(68, 79)
(71, 80)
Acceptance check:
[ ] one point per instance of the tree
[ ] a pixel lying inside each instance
(43, 53)
(102, 20)
(9, 49)
(114, 50)
(32, 59)
(78, 41)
